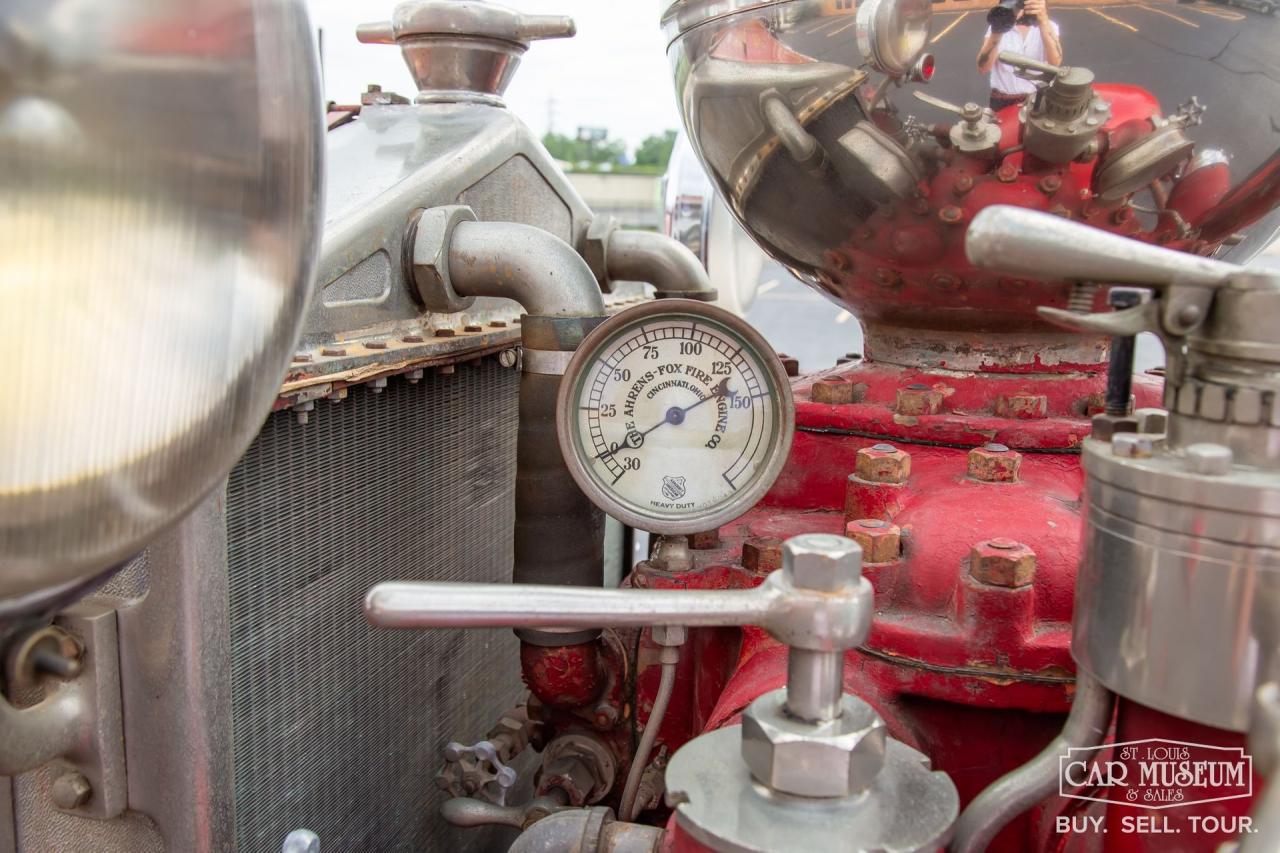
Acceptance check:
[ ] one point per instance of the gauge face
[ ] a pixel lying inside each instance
(675, 416)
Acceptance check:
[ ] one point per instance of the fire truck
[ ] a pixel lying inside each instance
(331, 442)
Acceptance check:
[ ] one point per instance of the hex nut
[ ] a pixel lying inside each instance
(1213, 460)
(1002, 562)
(429, 257)
(833, 759)
(71, 790)
(994, 463)
(881, 541)
(1023, 406)
(790, 364)
(822, 562)
(595, 245)
(580, 765)
(918, 399)
(1152, 421)
(883, 463)
(762, 555)
(1105, 426)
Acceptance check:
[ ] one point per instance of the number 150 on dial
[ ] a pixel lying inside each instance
(675, 416)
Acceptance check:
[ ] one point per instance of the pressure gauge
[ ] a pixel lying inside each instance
(675, 416)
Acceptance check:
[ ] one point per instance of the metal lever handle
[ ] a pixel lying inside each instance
(818, 601)
(937, 102)
(1025, 62)
(479, 605)
(1016, 241)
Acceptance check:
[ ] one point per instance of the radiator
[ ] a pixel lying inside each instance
(336, 726)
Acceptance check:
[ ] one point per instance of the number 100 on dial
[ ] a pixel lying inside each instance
(675, 416)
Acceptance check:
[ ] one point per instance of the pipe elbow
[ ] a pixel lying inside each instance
(520, 262)
(655, 259)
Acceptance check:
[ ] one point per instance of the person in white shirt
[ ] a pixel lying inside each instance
(1033, 35)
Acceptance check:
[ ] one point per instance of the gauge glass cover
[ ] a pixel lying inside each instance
(675, 416)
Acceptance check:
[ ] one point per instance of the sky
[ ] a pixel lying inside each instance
(612, 74)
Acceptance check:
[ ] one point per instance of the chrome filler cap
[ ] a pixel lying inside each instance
(466, 47)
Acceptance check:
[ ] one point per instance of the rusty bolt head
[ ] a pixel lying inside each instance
(838, 260)
(498, 324)
(918, 399)
(1002, 562)
(1050, 184)
(887, 278)
(472, 327)
(762, 555)
(704, 540)
(790, 364)
(1023, 406)
(881, 541)
(821, 561)
(883, 463)
(412, 339)
(836, 390)
(1007, 173)
(946, 282)
(963, 184)
(994, 463)
(333, 352)
(951, 214)
(71, 790)
(443, 332)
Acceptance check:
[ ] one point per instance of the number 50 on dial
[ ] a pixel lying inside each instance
(675, 416)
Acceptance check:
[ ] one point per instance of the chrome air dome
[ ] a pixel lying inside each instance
(807, 115)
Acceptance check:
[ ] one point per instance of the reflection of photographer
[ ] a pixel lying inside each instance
(1018, 26)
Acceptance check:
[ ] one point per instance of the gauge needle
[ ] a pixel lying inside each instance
(674, 415)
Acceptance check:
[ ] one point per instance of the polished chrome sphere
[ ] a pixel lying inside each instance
(856, 142)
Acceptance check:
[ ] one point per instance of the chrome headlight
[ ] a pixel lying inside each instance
(160, 212)
(892, 33)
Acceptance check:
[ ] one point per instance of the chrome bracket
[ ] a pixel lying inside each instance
(77, 725)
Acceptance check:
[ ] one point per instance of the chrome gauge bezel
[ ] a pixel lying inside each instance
(582, 366)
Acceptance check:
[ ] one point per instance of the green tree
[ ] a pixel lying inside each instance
(656, 150)
(585, 151)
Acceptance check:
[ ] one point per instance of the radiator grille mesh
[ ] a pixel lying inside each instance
(337, 727)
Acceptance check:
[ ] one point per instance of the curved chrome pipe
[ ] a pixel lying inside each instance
(1020, 789)
(655, 259)
(535, 268)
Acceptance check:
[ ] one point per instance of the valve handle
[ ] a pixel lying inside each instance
(970, 112)
(440, 604)
(1026, 63)
(941, 104)
(817, 601)
(1016, 241)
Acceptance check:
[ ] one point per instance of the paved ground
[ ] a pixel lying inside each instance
(1229, 58)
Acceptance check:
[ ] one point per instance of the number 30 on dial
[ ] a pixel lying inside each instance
(675, 416)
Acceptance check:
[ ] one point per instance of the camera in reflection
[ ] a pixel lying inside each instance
(1003, 16)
